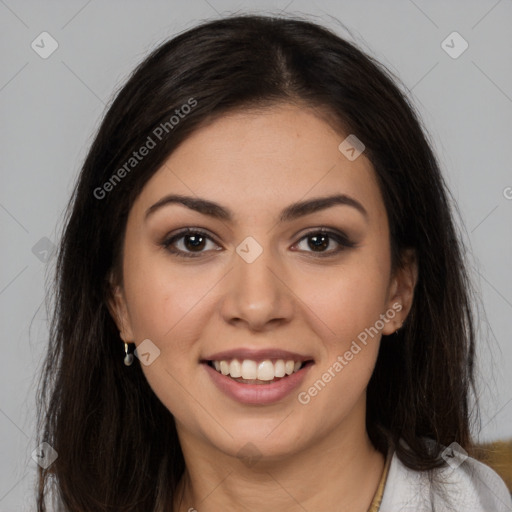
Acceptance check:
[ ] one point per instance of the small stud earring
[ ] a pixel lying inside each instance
(128, 358)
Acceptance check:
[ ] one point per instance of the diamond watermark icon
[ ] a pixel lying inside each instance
(44, 455)
(43, 249)
(454, 455)
(454, 45)
(249, 249)
(249, 454)
(351, 147)
(44, 45)
(147, 352)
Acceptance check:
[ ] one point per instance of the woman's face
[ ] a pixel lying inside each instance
(259, 285)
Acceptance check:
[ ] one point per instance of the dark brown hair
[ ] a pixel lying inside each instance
(117, 443)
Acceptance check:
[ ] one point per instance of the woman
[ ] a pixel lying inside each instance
(261, 296)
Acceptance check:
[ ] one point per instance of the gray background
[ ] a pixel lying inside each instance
(51, 107)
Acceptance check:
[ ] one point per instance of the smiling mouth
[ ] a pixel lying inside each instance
(248, 371)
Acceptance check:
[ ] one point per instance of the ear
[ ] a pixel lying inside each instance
(116, 303)
(401, 290)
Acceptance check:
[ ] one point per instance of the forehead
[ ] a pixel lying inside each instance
(265, 159)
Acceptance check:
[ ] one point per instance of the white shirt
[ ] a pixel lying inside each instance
(469, 487)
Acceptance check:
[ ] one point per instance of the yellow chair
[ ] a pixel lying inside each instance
(497, 455)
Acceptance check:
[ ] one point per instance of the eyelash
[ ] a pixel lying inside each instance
(338, 237)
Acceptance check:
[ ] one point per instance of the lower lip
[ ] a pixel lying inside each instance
(258, 393)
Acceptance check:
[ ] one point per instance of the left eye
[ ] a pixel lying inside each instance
(319, 241)
(193, 243)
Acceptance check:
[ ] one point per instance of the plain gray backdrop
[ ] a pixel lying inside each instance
(50, 108)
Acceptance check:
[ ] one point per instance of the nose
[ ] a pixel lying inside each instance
(257, 293)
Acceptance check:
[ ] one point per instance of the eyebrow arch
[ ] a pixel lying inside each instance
(291, 212)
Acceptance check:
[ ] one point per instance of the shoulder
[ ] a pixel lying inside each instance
(466, 485)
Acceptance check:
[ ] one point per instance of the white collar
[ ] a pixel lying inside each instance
(471, 487)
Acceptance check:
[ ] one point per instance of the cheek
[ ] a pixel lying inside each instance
(162, 296)
(172, 314)
(172, 311)
(351, 308)
(349, 298)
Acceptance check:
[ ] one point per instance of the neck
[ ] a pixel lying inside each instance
(339, 472)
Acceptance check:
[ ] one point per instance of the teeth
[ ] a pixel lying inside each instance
(251, 370)
(265, 370)
(279, 370)
(224, 367)
(235, 369)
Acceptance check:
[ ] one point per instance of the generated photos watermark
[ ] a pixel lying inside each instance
(147, 352)
(454, 455)
(351, 147)
(150, 143)
(304, 397)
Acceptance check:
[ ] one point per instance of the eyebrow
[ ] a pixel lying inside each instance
(291, 212)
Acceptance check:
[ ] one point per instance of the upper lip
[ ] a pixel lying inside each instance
(257, 354)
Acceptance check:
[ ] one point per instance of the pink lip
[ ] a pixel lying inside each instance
(256, 355)
(257, 394)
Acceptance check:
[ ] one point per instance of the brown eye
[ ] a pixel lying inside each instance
(189, 243)
(194, 242)
(319, 242)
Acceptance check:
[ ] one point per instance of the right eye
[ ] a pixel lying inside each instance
(192, 242)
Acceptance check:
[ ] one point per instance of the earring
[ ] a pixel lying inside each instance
(396, 332)
(128, 358)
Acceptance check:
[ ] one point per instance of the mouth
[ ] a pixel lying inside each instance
(258, 371)
(261, 376)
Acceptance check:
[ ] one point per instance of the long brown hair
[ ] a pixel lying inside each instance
(116, 442)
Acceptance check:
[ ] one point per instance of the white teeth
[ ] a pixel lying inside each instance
(224, 367)
(251, 370)
(235, 369)
(265, 370)
(279, 370)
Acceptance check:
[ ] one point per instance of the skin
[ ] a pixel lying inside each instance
(317, 456)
